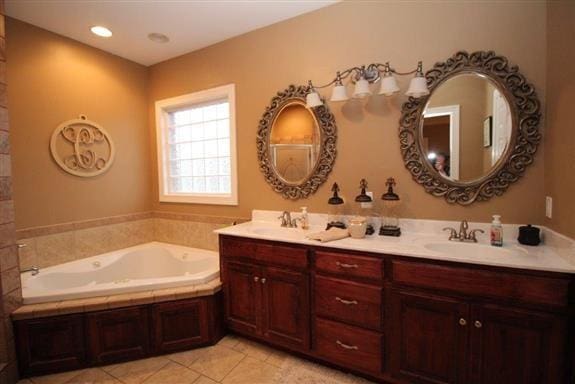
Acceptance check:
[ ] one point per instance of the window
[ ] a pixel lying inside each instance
(196, 138)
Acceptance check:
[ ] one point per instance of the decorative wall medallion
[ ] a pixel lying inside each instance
(82, 147)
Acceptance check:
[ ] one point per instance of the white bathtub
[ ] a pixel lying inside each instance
(140, 268)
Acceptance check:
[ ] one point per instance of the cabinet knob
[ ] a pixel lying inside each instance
(346, 266)
(346, 302)
(462, 322)
(263, 280)
(478, 324)
(347, 346)
(256, 279)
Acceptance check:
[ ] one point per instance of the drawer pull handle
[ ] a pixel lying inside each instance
(346, 346)
(478, 324)
(346, 266)
(263, 280)
(462, 322)
(346, 302)
(256, 279)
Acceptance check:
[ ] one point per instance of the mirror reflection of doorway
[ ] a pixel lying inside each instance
(441, 137)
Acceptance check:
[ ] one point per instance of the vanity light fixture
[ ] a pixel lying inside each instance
(362, 77)
(101, 31)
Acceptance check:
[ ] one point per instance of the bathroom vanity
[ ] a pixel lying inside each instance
(399, 318)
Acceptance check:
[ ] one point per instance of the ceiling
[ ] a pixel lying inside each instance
(190, 24)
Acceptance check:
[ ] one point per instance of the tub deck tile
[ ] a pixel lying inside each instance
(96, 303)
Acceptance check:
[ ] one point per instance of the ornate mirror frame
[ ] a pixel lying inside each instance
(525, 136)
(327, 150)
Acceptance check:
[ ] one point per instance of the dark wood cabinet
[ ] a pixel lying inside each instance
(180, 325)
(46, 345)
(118, 335)
(428, 338)
(266, 292)
(285, 297)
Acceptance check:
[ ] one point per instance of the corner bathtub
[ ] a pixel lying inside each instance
(141, 268)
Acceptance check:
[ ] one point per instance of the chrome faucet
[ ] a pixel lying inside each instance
(287, 221)
(35, 270)
(463, 235)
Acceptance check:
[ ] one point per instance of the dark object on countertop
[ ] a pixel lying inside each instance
(335, 224)
(529, 235)
(369, 230)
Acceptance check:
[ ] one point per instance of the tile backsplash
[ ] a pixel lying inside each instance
(52, 245)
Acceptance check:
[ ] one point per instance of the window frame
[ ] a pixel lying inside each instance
(166, 106)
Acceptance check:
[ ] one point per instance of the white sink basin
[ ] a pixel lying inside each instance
(474, 250)
(278, 232)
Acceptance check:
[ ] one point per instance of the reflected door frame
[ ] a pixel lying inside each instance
(453, 112)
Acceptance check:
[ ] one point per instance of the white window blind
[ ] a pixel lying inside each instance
(198, 149)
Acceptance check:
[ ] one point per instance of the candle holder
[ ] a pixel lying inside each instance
(390, 220)
(334, 216)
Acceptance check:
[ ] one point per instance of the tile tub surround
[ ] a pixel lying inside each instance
(233, 360)
(60, 243)
(66, 307)
(556, 254)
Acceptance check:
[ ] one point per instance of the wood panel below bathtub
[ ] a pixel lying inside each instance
(117, 335)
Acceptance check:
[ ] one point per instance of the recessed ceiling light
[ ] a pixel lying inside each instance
(158, 37)
(101, 31)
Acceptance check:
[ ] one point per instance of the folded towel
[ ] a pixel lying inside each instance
(329, 235)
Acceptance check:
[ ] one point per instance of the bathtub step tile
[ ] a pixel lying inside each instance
(119, 301)
(24, 312)
(137, 371)
(71, 306)
(96, 304)
(161, 295)
(217, 361)
(140, 298)
(46, 309)
(250, 371)
(173, 373)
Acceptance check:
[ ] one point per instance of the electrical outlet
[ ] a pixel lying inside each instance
(368, 205)
(548, 207)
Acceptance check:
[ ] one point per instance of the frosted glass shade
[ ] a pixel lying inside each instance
(313, 100)
(339, 93)
(361, 89)
(388, 85)
(417, 87)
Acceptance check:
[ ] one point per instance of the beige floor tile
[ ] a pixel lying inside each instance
(173, 373)
(93, 376)
(205, 380)
(229, 341)
(135, 372)
(252, 349)
(24, 381)
(56, 378)
(186, 358)
(252, 371)
(216, 362)
(279, 359)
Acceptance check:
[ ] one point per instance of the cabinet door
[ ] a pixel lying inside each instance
(427, 343)
(179, 325)
(120, 334)
(286, 307)
(242, 291)
(49, 345)
(517, 347)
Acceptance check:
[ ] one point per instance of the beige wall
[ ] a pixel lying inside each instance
(559, 137)
(54, 79)
(314, 46)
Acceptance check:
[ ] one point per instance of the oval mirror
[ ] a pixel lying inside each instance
(296, 144)
(466, 127)
(476, 132)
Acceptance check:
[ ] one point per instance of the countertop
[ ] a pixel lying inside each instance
(426, 245)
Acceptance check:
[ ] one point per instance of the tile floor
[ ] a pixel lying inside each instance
(232, 361)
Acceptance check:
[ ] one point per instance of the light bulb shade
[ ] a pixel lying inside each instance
(313, 100)
(339, 93)
(388, 85)
(418, 87)
(361, 89)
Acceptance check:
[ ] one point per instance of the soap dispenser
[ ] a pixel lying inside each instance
(304, 218)
(496, 231)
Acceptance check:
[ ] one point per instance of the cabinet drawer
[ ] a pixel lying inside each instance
(349, 346)
(266, 253)
(353, 303)
(484, 283)
(349, 265)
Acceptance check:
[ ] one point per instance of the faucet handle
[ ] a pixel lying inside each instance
(471, 236)
(452, 233)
